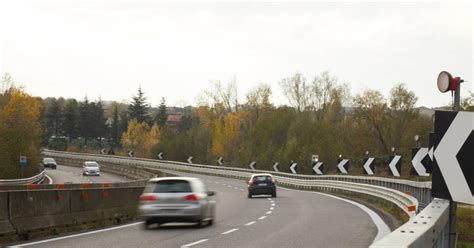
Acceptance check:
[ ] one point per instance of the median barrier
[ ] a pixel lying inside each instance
(26, 214)
(6, 227)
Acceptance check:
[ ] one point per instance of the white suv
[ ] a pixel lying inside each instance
(91, 168)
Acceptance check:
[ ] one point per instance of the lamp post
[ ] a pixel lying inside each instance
(393, 150)
(417, 140)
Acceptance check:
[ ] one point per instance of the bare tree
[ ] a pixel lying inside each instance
(321, 91)
(403, 111)
(370, 109)
(224, 98)
(6, 83)
(296, 91)
(258, 98)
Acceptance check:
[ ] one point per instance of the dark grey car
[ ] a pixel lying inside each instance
(49, 163)
(176, 199)
(261, 184)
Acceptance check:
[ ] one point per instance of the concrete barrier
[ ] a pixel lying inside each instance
(26, 214)
(6, 228)
(30, 211)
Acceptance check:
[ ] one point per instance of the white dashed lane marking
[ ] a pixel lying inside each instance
(194, 243)
(230, 231)
(272, 207)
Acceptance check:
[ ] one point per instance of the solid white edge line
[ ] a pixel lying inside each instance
(263, 217)
(250, 223)
(194, 243)
(77, 235)
(49, 179)
(230, 231)
(382, 228)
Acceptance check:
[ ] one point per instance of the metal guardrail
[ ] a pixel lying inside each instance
(407, 203)
(427, 229)
(418, 189)
(38, 178)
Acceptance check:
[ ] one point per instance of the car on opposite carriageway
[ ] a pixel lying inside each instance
(49, 163)
(91, 168)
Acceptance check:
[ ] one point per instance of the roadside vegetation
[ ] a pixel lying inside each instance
(322, 118)
(20, 130)
(465, 226)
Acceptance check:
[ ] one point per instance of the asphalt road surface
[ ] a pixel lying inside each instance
(293, 219)
(70, 174)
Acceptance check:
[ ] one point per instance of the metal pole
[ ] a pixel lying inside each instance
(452, 224)
(457, 97)
(452, 204)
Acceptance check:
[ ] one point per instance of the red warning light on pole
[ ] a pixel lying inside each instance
(446, 82)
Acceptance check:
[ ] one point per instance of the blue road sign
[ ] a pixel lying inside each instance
(22, 161)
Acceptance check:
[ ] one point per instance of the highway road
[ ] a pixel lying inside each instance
(70, 174)
(293, 219)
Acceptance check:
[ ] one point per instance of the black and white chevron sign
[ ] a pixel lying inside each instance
(318, 168)
(190, 159)
(395, 165)
(130, 153)
(419, 161)
(429, 165)
(369, 166)
(453, 170)
(252, 165)
(275, 167)
(341, 165)
(293, 167)
(160, 155)
(102, 151)
(220, 160)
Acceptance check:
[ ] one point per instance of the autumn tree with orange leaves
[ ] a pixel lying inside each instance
(20, 132)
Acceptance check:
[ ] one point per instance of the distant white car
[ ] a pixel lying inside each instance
(91, 168)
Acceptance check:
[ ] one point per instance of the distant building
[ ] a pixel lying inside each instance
(174, 119)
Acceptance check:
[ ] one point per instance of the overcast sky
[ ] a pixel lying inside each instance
(174, 50)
